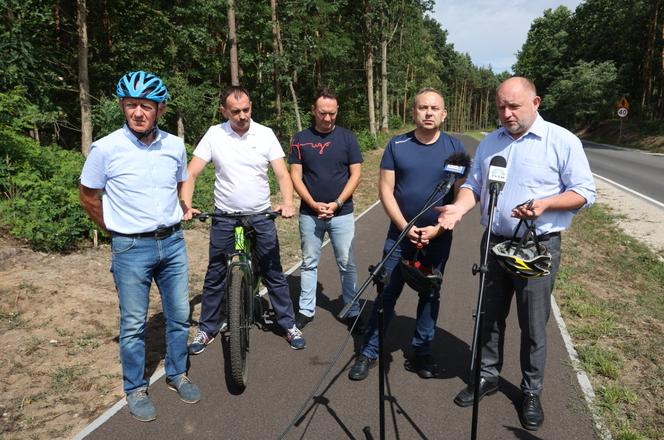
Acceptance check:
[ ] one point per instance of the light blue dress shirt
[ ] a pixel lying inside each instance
(547, 160)
(139, 181)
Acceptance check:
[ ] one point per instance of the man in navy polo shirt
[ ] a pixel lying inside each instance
(325, 168)
(411, 167)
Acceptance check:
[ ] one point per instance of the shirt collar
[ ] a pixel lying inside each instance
(537, 129)
(132, 137)
(226, 126)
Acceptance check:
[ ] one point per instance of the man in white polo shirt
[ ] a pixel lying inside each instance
(241, 151)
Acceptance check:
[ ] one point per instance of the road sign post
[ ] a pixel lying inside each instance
(622, 114)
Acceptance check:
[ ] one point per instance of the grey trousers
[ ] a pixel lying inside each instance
(533, 304)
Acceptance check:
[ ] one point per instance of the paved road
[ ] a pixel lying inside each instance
(641, 171)
(280, 378)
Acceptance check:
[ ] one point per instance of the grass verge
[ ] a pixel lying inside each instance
(611, 293)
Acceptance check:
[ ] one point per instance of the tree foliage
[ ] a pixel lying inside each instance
(622, 43)
(186, 42)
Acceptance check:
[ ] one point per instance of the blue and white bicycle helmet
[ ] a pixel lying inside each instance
(142, 85)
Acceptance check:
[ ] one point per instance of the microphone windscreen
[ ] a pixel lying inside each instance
(498, 161)
(461, 159)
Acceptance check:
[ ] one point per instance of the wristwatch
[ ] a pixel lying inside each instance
(339, 203)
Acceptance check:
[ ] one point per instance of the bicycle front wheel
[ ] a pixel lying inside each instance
(238, 325)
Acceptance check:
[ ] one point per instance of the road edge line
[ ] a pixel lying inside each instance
(96, 423)
(581, 376)
(631, 191)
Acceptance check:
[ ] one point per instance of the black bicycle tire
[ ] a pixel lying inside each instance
(238, 327)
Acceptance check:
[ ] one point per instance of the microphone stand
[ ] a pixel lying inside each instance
(378, 276)
(476, 357)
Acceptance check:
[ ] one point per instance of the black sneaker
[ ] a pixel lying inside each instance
(302, 320)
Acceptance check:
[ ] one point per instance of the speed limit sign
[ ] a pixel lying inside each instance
(622, 112)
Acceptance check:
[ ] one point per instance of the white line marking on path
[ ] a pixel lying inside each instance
(96, 423)
(581, 376)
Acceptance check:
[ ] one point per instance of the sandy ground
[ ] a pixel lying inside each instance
(59, 365)
(639, 218)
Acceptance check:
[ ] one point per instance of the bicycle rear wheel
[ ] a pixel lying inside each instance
(238, 325)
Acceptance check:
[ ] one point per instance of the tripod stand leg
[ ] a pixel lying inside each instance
(381, 372)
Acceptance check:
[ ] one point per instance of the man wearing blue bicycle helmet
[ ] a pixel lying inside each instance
(129, 187)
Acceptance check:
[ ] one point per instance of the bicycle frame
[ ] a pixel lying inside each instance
(243, 282)
(245, 259)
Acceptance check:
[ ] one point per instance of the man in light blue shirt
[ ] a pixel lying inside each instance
(129, 187)
(545, 164)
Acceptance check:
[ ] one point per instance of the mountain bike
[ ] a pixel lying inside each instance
(244, 306)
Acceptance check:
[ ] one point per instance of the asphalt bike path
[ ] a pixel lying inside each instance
(280, 379)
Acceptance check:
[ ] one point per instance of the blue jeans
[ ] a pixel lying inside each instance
(341, 231)
(135, 262)
(222, 244)
(428, 304)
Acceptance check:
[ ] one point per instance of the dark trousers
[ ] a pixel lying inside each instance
(533, 306)
(267, 248)
(428, 305)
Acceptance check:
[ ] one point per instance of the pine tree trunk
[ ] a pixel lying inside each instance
(275, 52)
(405, 93)
(83, 80)
(232, 37)
(370, 92)
(383, 74)
(180, 123)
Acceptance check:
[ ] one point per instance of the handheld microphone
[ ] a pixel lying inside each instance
(497, 174)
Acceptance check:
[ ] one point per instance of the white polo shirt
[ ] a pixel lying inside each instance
(241, 165)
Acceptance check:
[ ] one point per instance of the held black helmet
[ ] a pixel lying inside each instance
(524, 257)
(419, 277)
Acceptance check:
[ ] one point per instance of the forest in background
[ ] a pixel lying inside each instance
(60, 61)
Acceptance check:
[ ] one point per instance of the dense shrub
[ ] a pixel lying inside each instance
(40, 195)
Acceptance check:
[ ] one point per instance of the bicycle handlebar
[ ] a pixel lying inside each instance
(203, 216)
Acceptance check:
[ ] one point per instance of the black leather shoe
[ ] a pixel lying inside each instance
(360, 327)
(532, 415)
(422, 365)
(466, 396)
(360, 369)
(302, 320)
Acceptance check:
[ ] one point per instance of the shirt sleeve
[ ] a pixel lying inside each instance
(274, 147)
(94, 170)
(182, 173)
(475, 180)
(387, 161)
(576, 174)
(354, 153)
(295, 155)
(204, 148)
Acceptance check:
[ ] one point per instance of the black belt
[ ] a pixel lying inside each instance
(542, 237)
(157, 234)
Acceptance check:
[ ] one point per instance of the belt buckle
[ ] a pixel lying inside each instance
(162, 233)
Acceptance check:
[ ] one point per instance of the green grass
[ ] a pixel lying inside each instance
(611, 292)
(598, 360)
(64, 379)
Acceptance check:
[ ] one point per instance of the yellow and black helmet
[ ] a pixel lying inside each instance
(524, 257)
